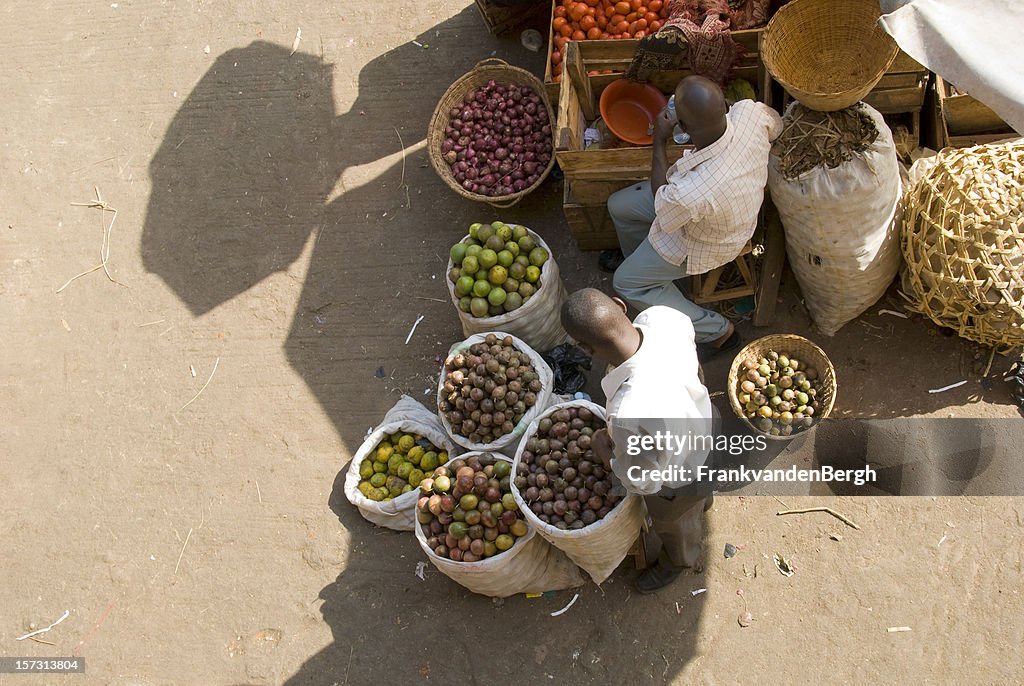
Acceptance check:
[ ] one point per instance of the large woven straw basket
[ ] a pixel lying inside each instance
(794, 346)
(963, 242)
(485, 70)
(828, 54)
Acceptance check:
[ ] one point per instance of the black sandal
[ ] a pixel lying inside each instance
(610, 260)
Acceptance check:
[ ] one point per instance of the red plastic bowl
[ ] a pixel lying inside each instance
(628, 108)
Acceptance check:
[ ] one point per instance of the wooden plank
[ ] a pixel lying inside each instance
(905, 63)
(613, 163)
(574, 71)
(771, 265)
(569, 122)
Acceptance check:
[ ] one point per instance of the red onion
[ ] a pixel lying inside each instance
(501, 153)
(487, 180)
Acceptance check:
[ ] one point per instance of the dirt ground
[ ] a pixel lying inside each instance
(173, 438)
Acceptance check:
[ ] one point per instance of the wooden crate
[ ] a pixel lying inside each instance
(501, 20)
(618, 54)
(963, 114)
(901, 89)
(937, 132)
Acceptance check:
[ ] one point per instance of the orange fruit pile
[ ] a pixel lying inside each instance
(602, 20)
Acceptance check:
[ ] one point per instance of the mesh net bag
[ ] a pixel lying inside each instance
(963, 242)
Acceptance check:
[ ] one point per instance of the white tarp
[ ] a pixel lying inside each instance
(974, 44)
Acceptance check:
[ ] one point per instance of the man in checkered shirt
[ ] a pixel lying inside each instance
(699, 213)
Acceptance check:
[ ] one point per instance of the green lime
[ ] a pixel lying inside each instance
(523, 259)
(504, 232)
(532, 274)
(497, 296)
(473, 228)
(483, 233)
(481, 288)
(464, 285)
(511, 285)
(488, 258)
(526, 289)
(470, 265)
(512, 248)
(497, 275)
(495, 243)
(513, 302)
(538, 256)
(366, 469)
(526, 244)
(458, 252)
(478, 307)
(519, 232)
(465, 303)
(475, 250)
(505, 258)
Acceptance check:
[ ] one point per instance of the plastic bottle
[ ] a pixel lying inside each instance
(678, 135)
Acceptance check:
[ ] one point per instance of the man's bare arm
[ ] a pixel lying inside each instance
(663, 127)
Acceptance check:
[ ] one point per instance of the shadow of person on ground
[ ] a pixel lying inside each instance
(242, 175)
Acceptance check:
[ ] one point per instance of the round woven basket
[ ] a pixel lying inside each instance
(963, 243)
(827, 54)
(485, 70)
(795, 346)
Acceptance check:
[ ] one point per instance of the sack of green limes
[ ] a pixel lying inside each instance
(384, 475)
(502, 277)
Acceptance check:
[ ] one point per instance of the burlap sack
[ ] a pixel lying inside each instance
(842, 229)
(532, 565)
(410, 416)
(602, 546)
(507, 443)
(538, 322)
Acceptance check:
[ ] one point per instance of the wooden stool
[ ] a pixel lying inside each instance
(705, 285)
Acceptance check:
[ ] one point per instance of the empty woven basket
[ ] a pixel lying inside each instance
(963, 242)
(828, 54)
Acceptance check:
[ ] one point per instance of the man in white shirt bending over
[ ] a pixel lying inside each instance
(655, 388)
(699, 213)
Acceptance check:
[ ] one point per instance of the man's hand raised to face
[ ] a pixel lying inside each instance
(664, 125)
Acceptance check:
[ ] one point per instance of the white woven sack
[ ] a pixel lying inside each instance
(538, 322)
(842, 229)
(409, 416)
(600, 547)
(532, 565)
(507, 443)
